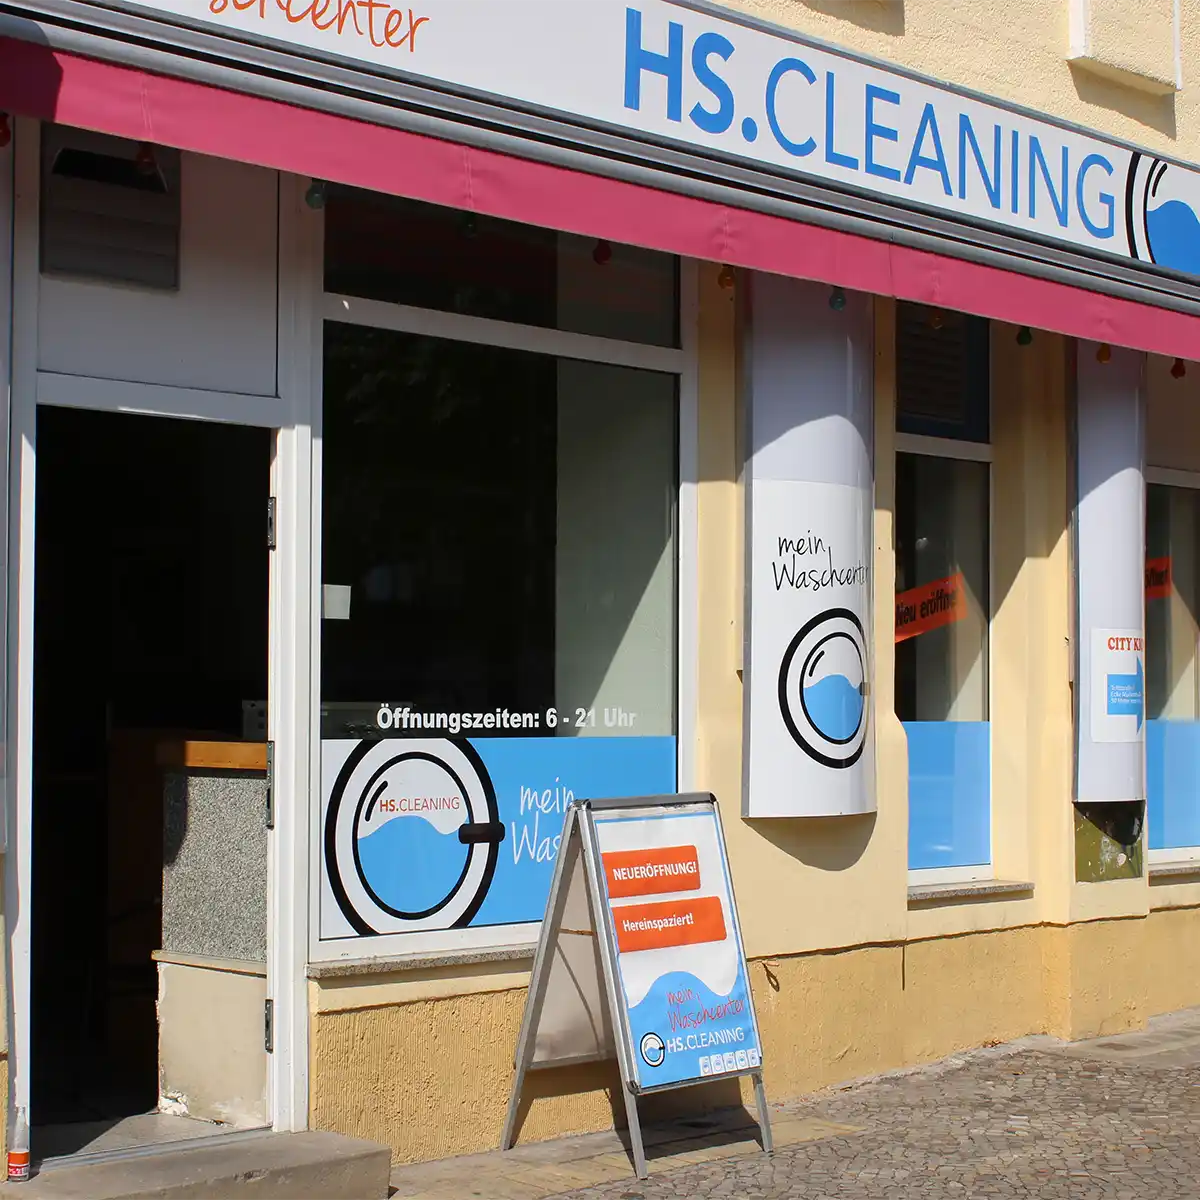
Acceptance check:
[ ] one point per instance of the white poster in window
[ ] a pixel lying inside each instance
(808, 657)
(1118, 685)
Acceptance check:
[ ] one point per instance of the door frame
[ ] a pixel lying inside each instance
(290, 639)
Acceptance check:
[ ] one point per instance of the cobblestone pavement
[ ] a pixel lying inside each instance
(1121, 1119)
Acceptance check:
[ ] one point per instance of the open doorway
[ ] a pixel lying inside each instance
(149, 842)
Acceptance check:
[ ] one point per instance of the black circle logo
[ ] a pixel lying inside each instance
(823, 688)
(1162, 201)
(652, 1050)
(412, 835)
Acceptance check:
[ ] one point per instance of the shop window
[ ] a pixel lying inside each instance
(942, 601)
(1172, 679)
(110, 209)
(407, 252)
(498, 558)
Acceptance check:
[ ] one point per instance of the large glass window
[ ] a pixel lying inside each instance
(499, 554)
(1172, 679)
(405, 252)
(942, 589)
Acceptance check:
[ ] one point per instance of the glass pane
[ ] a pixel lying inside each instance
(1172, 682)
(942, 656)
(499, 632)
(406, 252)
(942, 373)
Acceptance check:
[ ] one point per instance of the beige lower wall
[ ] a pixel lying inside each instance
(212, 1063)
(431, 1077)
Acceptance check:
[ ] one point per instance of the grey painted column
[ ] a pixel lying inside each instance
(1110, 545)
(808, 378)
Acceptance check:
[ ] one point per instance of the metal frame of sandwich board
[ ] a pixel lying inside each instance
(580, 822)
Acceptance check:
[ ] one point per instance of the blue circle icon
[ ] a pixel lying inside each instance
(1162, 203)
(823, 688)
(749, 128)
(831, 687)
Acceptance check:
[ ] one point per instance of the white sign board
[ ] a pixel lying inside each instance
(670, 72)
(1110, 564)
(641, 956)
(807, 678)
(681, 970)
(1118, 685)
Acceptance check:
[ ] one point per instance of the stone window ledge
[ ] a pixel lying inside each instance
(1174, 870)
(391, 964)
(973, 889)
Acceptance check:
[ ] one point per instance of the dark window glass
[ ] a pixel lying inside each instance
(407, 252)
(498, 532)
(942, 373)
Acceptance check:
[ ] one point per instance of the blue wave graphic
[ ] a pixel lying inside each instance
(1174, 233)
(409, 864)
(835, 707)
(693, 1023)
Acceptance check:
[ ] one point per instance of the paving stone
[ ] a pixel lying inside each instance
(1034, 1119)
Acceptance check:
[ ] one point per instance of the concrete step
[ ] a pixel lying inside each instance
(278, 1166)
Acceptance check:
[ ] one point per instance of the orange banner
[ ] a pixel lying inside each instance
(1158, 578)
(669, 923)
(645, 872)
(930, 606)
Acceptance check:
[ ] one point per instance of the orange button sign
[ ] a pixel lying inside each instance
(647, 872)
(668, 923)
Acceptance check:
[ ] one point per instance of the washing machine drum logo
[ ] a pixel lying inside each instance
(412, 835)
(823, 688)
(1162, 214)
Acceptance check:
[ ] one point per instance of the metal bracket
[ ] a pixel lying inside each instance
(270, 522)
(270, 813)
(269, 1026)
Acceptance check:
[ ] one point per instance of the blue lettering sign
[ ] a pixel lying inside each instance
(938, 161)
(784, 67)
(1038, 159)
(669, 65)
(875, 130)
(706, 45)
(832, 155)
(991, 183)
(1105, 198)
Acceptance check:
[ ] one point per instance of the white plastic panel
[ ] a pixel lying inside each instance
(809, 390)
(1110, 564)
(217, 332)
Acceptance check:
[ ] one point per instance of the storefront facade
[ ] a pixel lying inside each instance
(622, 400)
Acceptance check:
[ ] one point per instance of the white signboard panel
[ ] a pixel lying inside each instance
(809, 503)
(809, 682)
(668, 72)
(1118, 685)
(681, 969)
(640, 957)
(1110, 535)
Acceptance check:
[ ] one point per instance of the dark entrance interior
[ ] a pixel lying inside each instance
(150, 621)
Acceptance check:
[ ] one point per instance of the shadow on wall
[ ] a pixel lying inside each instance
(882, 16)
(824, 843)
(1155, 112)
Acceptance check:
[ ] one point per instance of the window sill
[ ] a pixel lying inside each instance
(1170, 872)
(968, 889)
(391, 964)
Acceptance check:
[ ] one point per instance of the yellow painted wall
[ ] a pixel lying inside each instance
(1016, 52)
(431, 1078)
(849, 977)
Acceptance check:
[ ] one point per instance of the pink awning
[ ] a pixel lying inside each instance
(54, 86)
